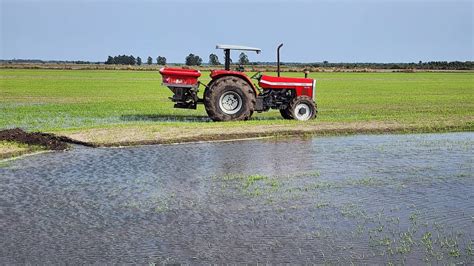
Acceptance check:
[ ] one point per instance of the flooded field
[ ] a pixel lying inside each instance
(361, 199)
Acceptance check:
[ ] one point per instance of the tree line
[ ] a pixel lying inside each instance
(195, 60)
(131, 60)
(431, 65)
(190, 60)
(243, 60)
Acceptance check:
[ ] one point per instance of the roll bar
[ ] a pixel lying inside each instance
(227, 48)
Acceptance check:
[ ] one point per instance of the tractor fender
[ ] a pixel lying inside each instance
(217, 74)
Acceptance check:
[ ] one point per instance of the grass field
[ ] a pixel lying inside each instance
(12, 149)
(108, 107)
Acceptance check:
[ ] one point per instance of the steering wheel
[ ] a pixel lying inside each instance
(257, 76)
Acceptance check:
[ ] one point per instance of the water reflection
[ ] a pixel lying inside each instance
(326, 200)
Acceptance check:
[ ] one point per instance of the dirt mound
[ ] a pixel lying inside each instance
(46, 140)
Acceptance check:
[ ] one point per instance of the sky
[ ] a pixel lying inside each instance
(312, 31)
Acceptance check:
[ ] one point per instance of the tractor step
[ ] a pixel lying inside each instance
(190, 105)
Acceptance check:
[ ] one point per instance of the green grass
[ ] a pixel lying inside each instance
(55, 100)
(12, 149)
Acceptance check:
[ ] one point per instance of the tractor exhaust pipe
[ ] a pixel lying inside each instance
(278, 58)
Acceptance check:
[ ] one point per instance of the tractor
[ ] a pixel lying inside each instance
(231, 95)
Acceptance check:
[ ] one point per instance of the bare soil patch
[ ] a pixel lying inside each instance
(46, 140)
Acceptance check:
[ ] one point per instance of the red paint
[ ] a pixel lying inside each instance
(180, 76)
(189, 77)
(303, 86)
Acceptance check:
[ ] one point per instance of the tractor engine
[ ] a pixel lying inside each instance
(274, 99)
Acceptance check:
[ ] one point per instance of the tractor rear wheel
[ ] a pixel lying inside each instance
(303, 108)
(229, 98)
(286, 113)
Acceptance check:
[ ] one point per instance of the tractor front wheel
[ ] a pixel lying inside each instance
(303, 108)
(229, 98)
(286, 113)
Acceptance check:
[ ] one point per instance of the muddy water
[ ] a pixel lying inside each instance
(361, 199)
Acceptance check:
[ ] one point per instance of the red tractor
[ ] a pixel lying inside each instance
(231, 95)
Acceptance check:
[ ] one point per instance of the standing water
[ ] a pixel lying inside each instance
(361, 199)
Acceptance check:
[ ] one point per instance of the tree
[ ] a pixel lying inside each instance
(129, 60)
(198, 60)
(149, 61)
(193, 60)
(121, 60)
(139, 61)
(110, 61)
(132, 61)
(189, 61)
(243, 59)
(214, 60)
(161, 60)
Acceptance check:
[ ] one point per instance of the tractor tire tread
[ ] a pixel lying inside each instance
(212, 94)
